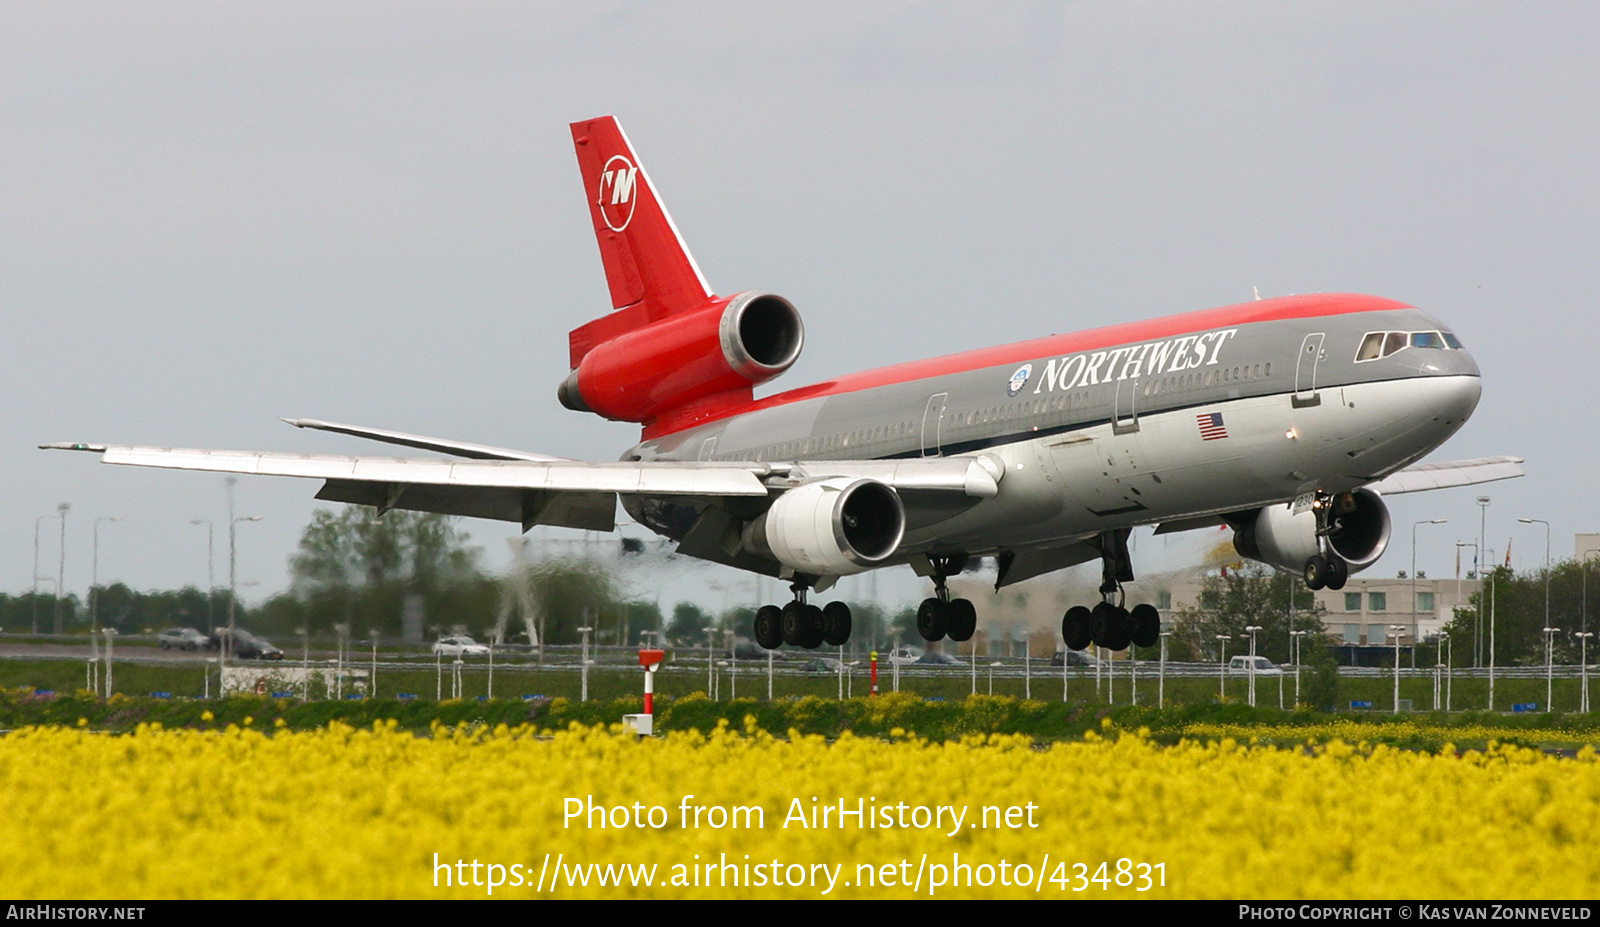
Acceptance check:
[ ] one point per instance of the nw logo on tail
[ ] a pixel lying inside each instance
(616, 199)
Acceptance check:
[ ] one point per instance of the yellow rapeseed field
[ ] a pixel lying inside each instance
(344, 813)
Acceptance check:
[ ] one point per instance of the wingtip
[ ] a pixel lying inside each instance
(73, 446)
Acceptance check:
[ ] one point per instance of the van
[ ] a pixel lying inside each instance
(1240, 666)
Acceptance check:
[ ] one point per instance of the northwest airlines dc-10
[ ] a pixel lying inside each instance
(1284, 419)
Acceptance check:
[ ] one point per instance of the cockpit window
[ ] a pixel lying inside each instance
(1382, 344)
(1371, 347)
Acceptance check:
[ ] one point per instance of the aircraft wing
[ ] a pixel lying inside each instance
(1425, 476)
(570, 493)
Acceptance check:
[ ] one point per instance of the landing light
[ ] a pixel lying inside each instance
(1291, 434)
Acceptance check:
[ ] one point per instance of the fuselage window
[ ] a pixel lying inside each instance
(1392, 342)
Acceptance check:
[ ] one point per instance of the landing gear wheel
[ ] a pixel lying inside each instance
(769, 627)
(1121, 630)
(1103, 624)
(1316, 573)
(1077, 628)
(811, 621)
(1338, 572)
(933, 619)
(963, 619)
(790, 624)
(835, 624)
(1146, 625)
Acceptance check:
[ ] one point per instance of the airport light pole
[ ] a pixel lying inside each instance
(36, 577)
(94, 576)
(61, 569)
(1414, 621)
(1222, 666)
(1251, 630)
(1397, 630)
(1477, 626)
(1583, 607)
(1482, 557)
(711, 663)
(233, 571)
(1549, 666)
(1540, 521)
(211, 573)
(1298, 640)
(1161, 685)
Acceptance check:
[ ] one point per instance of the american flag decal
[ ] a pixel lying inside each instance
(1211, 427)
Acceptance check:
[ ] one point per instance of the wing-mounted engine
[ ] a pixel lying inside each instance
(1325, 541)
(830, 527)
(721, 349)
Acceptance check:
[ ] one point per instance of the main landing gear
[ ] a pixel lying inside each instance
(942, 616)
(801, 624)
(1109, 624)
(1326, 568)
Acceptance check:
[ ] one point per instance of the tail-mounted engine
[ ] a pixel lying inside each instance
(1352, 528)
(831, 527)
(725, 347)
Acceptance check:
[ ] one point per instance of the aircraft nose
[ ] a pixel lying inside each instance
(1453, 398)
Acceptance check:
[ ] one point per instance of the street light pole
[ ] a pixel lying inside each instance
(1549, 666)
(1583, 669)
(1540, 521)
(1481, 558)
(61, 569)
(1161, 686)
(1414, 621)
(1222, 666)
(233, 567)
(1477, 626)
(583, 663)
(211, 573)
(94, 577)
(1397, 630)
(1297, 639)
(1251, 630)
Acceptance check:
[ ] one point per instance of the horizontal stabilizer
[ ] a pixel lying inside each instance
(1443, 475)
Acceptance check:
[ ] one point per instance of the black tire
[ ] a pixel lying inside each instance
(1077, 628)
(963, 619)
(811, 621)
(836, 624)
(1338, 572)
(792, 629)
(933, 619)
(1146, 625)
(1316, 572)
(1102, 624)
(769, 627)
(1121, 630)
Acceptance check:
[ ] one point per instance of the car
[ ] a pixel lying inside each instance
(938, 658)
(244, 646)
(901, 656)
(823, 666)
(1240, 666)
(459, 645)
(182, 639)
(1075, 658)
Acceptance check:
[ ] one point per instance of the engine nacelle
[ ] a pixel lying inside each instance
(728, 344)
(1280, 536)
(831, 527)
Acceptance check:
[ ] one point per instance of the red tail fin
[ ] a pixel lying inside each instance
(650, 272)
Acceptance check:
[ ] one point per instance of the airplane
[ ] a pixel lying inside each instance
(1285, 419)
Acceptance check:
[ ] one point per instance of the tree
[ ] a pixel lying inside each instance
(1256, 595)
(688, 624)
(353, 567)
(1519, 615)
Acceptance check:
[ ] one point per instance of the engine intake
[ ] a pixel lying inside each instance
(831, 527)
(1283, 538)
(729, 344)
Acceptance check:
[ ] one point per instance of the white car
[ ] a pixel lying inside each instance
(459, 646)
(182, 639)
(901, 656)
(1240, 666)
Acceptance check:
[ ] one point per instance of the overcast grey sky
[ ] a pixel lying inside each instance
(215, 214)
